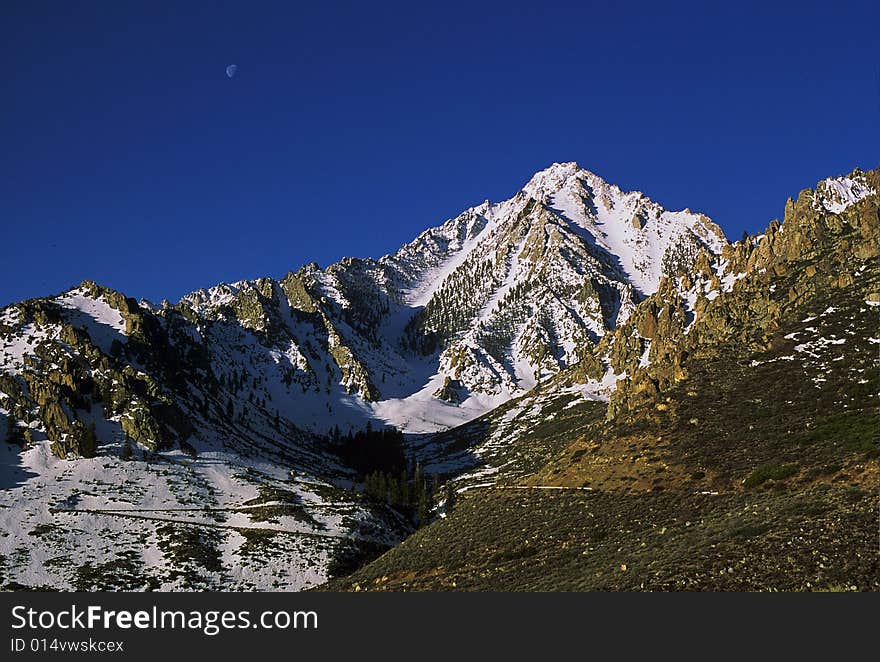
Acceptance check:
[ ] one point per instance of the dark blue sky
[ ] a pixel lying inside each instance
(130, 158)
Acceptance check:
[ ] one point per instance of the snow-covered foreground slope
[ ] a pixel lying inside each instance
(171, 523)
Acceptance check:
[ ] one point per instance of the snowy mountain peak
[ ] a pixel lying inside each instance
(550, 180)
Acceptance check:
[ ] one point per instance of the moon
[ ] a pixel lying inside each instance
(231, 69)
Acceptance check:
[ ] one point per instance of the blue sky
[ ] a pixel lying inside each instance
(130, 158)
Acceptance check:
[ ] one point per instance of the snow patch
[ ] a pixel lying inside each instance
(835, 194)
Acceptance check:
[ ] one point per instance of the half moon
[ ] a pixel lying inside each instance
(231, 69)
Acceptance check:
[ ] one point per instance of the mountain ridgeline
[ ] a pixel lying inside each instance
(515, 335)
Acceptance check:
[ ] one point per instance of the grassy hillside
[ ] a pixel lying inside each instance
(818, 538)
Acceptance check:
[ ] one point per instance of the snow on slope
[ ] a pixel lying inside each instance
(426, 262)
(629, 226)
(103, 323)
(14, 347)
(144, 511)
(837, 193)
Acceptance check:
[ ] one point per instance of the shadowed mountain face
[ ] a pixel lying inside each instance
(521, 342)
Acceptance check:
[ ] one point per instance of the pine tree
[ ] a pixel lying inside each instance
(423, 509)
(390, 488)
(450, 498)
(13, 432)
(88, 443)
(373, 486)
(404, 495)
(107, 399)
(381, 485)
(127, 452)
(418, 477)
